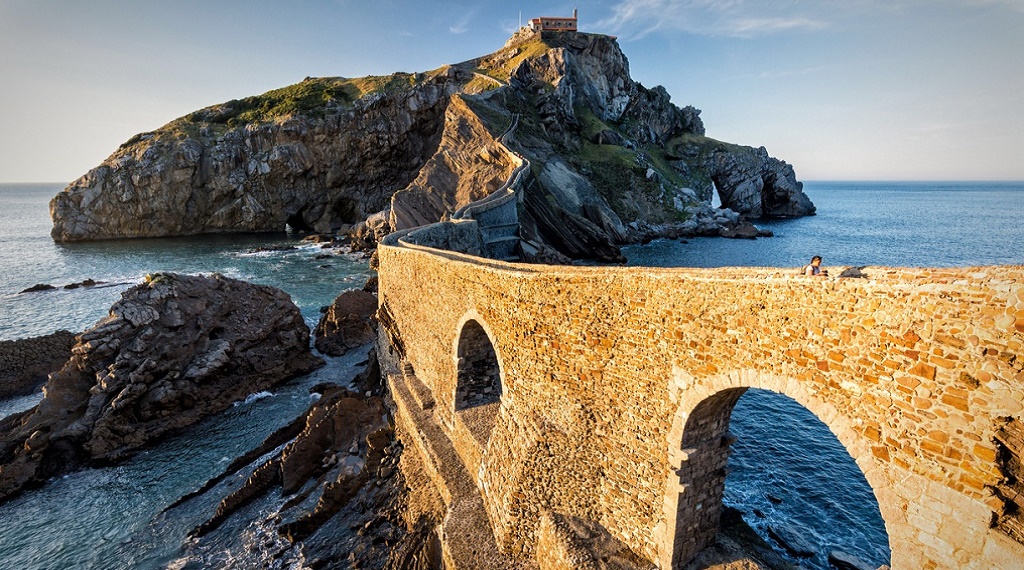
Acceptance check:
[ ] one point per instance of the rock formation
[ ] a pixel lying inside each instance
(341, 444)
(316, 155)
(25, 363)
(345, 499)
(173, 350)
(612, 161)
(347, 323)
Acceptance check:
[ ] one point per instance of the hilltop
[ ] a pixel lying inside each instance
(612, 161)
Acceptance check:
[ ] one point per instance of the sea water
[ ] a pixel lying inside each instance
(786, 465)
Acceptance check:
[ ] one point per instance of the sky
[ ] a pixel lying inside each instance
(852, 90)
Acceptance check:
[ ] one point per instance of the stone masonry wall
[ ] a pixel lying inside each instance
(25, 363)
(617, 384)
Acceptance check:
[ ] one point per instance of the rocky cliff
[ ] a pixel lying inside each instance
(172, 351)
(612, 161)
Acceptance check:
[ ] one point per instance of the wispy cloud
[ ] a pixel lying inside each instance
(461, 25)
(634, 19)
(733, 18)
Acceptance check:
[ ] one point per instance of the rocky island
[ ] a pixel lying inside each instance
(612, 161)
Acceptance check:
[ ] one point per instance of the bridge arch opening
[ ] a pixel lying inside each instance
(766, 455)
(478, 388)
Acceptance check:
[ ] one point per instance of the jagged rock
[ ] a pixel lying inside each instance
(25, 363)
(608, 136)
(343, 491)
(214, 172)
(347, 323)
(83, 283)
(469, 164)
(745, 230)
(748, 180)
(173, 350)
(343, 443)
(38, 287)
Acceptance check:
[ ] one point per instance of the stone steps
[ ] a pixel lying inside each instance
(467, 539)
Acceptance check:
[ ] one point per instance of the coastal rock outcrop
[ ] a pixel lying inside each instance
(612, 161)
(345, 498)
(341, 444)
(748, 180)
(347, 323)
(172, 351)
(25, 363)
(316, 155)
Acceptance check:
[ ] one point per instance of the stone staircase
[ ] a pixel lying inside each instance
(497, 214)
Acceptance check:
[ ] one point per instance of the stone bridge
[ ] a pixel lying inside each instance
(549, 399)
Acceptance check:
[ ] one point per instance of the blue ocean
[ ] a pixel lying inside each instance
(787, 468)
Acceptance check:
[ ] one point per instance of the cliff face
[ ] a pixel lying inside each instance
(612, 161)
(227, 168)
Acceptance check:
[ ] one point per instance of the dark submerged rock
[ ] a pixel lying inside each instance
(792, 541)
(39, 287)
(846, 561)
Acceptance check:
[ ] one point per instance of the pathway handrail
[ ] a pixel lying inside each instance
(508, 191)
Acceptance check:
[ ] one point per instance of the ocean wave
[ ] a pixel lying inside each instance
(254, 397)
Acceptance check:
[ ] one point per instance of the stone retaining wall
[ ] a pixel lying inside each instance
(25, 363)
(617, 385)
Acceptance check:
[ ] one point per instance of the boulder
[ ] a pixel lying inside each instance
(172, 351)
(347, 323)
(744, 230)
(854, 272)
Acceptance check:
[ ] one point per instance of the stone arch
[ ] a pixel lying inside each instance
(701, 447)
(479, 378)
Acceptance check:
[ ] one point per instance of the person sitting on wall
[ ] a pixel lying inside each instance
(814, 269)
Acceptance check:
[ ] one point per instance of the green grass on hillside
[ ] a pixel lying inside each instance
(500, 67)
(311, 97)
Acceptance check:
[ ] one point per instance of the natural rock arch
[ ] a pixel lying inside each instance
(478, 386)
(701, 448)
